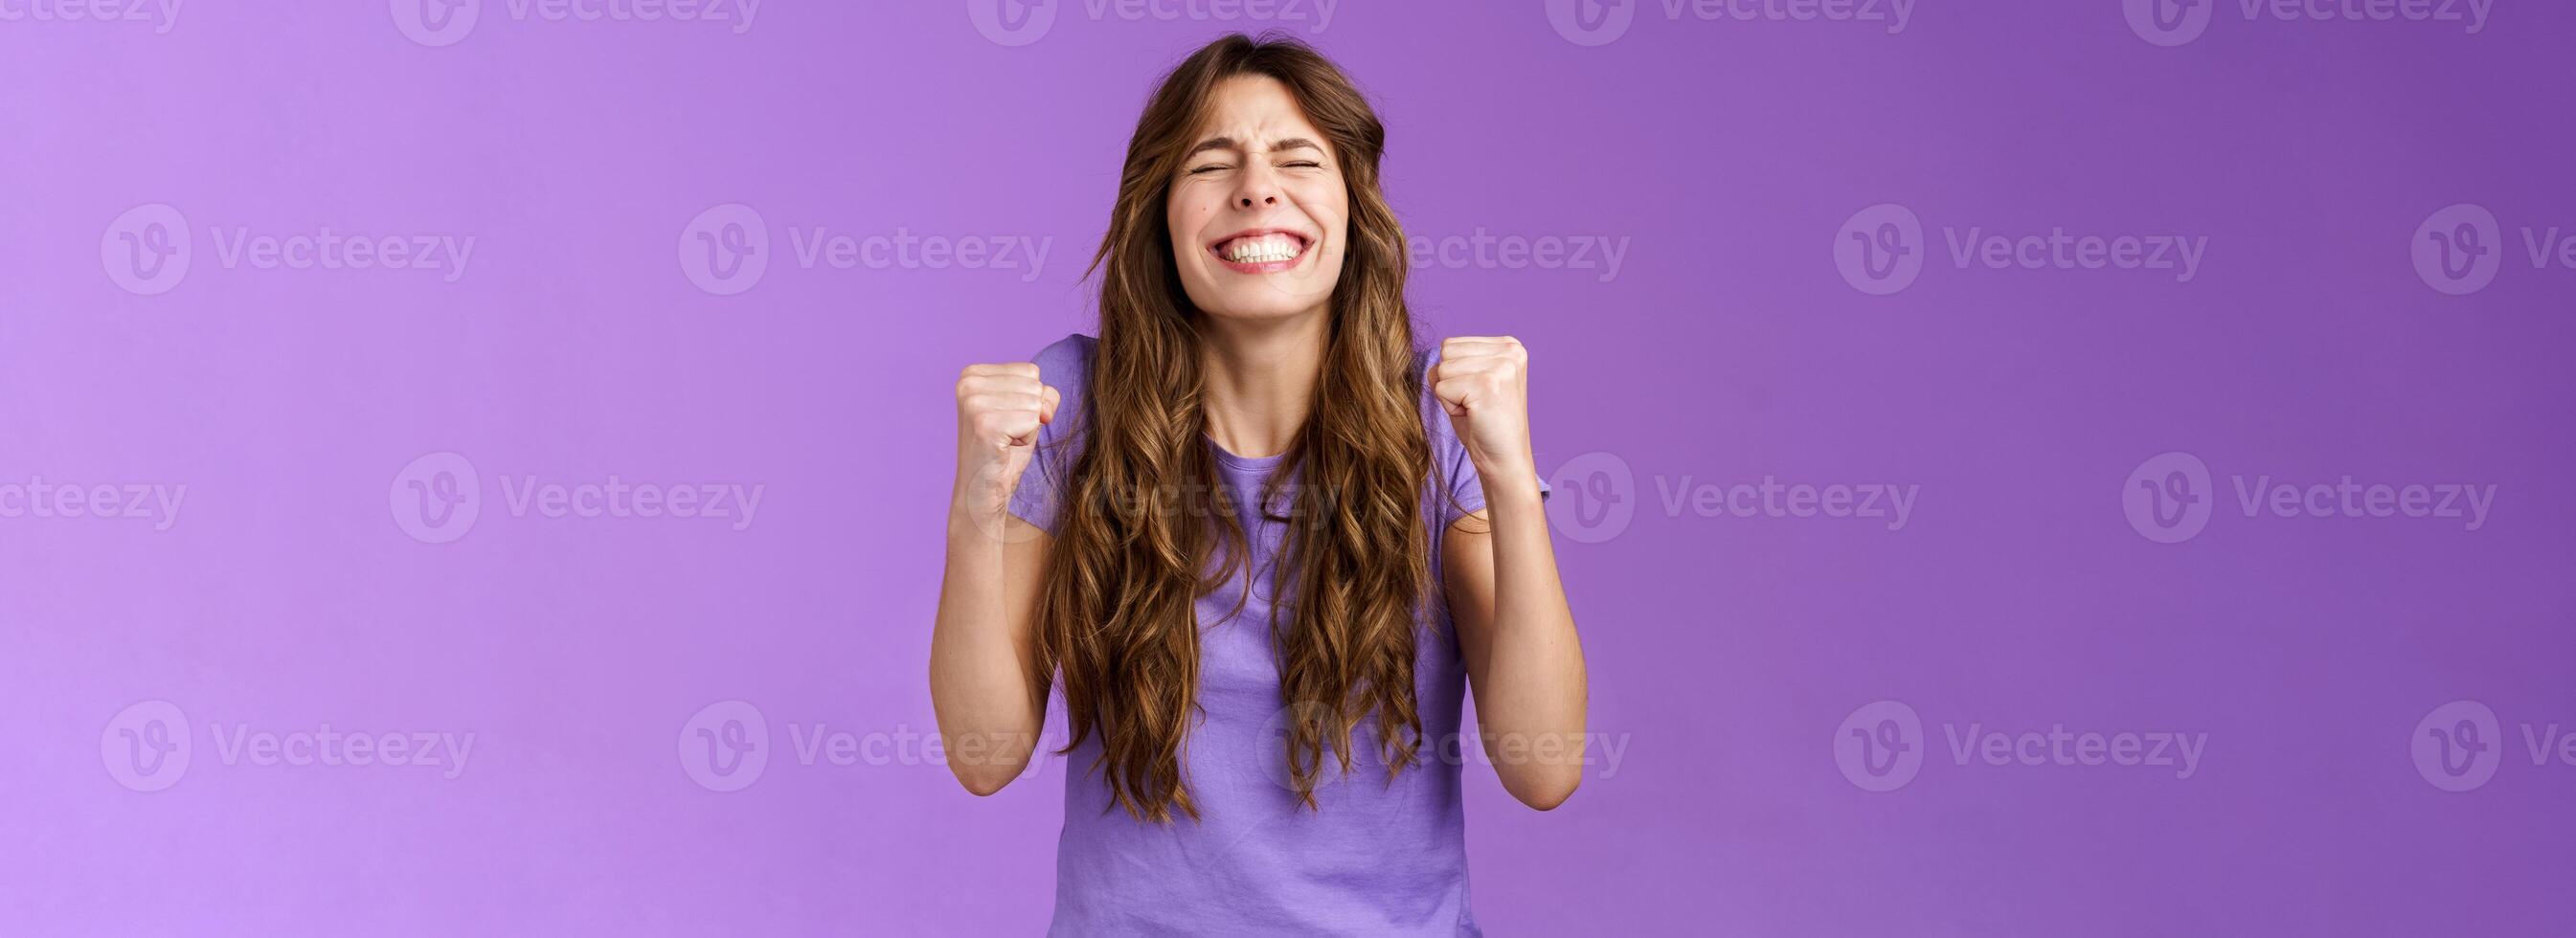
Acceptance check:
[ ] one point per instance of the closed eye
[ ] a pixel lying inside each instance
(1209, 168)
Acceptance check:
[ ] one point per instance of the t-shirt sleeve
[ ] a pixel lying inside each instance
(1459, 490)
(1044, 485)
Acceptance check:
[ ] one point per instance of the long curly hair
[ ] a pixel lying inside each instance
(1148, 530)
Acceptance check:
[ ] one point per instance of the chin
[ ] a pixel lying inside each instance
(1254, 299)
(1257, 306)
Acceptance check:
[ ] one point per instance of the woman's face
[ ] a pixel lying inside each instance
(1259, 212)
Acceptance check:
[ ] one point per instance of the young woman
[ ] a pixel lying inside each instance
(1260, 540)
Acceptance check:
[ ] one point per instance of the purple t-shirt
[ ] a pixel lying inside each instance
(1376, 859)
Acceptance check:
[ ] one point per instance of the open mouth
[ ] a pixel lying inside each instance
(1261, 251)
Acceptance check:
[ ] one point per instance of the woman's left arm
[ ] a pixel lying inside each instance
(1524, 661)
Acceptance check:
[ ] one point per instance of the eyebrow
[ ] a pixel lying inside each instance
(1228, 143)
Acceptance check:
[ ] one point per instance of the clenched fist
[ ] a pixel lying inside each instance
(999, 411)
(1483, 381)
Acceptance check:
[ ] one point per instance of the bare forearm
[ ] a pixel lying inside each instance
(982, 683)
(1531, 700)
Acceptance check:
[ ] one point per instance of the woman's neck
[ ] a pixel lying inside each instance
(1260, 381)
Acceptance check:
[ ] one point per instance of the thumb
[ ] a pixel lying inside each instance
(1451, 394)
(1048, 398)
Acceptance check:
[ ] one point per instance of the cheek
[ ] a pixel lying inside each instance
(1333, 216)
(1182, 231)
(1330, 208)
(1184, 214)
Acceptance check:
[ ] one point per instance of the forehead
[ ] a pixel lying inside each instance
(1256, 108)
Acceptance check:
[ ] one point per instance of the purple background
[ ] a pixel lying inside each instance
(1725, 651)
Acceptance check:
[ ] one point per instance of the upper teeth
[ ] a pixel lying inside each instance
(1261, 249)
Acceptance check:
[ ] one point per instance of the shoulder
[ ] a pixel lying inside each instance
(1066, 364)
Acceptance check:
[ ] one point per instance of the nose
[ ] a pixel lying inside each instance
(1258, 188)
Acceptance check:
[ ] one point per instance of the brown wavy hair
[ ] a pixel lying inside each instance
(1146, 530)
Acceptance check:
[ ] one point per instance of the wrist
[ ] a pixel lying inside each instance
(979, 495)
(1510, 485)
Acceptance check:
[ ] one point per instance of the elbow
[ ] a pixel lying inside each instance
(983, 781)
(984, 768)
(1545, 794)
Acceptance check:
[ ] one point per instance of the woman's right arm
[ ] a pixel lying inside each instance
(984, 680)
